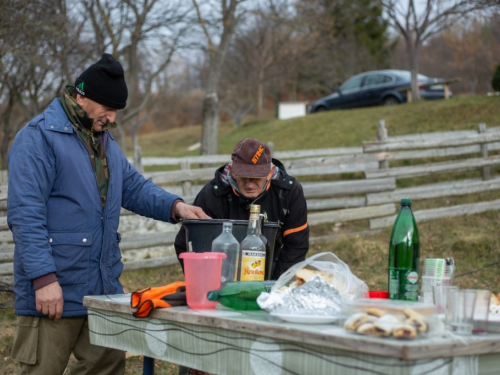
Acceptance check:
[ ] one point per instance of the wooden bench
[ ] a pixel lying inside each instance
(446, 83)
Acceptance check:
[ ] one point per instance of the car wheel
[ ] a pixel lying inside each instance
(320, 109)
(390, 100)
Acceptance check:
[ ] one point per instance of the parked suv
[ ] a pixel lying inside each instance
(378, 87)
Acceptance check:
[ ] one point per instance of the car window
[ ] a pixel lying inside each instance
(376, 79)
(407, 75)
(352, 84)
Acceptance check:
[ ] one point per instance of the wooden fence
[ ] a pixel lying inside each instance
(372, 198)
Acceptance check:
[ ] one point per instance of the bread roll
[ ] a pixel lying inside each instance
(384, 327)
(356, 320)
(375, 311)
(305, 274)
(367, 329)
(404, 331)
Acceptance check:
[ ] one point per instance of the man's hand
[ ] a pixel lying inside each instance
(186, 211)
(49, 300)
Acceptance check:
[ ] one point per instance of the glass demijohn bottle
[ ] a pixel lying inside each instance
(404, 255)
(226, 243)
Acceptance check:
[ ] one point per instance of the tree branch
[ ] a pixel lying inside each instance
(203, 26)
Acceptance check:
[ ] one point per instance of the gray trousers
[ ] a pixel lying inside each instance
(43, 347)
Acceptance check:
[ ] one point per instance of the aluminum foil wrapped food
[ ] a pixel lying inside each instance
(315, 297)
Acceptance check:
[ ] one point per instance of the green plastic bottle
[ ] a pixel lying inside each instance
(404, 256)
(241, 295)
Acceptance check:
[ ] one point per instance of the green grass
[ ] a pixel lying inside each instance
(472, 241)
(341, 128)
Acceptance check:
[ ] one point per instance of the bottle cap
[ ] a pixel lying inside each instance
(405, 202)
(255, 208)
(227, 224)
(213, 295)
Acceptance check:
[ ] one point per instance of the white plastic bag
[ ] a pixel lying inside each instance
(348, 285)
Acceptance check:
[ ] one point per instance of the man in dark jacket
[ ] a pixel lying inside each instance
(68, 180)
(253, 177)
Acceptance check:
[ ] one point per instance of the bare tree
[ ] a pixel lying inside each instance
(36, 49)
(417, 23)
(225, 23)
(144, 35)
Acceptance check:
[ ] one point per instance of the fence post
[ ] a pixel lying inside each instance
(382, 137)
(271, 147)
(137, 159)
(4, 177)
(485, 171)
(186, 185)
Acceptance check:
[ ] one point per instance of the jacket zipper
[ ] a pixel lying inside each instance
(102, 208)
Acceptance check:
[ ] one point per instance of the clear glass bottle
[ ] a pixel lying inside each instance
(253, 250)
(267, 270)
(226, 243)
(404, 255)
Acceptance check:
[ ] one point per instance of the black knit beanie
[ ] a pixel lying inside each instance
(104, 83)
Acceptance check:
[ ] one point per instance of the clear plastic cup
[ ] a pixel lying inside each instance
(202, 272)
(461, 307)
(481, 311)
(429, 282)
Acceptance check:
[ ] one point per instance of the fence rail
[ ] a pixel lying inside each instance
(370, 198)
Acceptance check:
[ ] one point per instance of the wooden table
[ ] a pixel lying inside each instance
(230, 342)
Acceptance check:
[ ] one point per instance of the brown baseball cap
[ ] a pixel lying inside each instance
(251, 158)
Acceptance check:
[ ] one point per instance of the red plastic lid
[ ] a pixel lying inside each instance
(378, 294)
(206, 255)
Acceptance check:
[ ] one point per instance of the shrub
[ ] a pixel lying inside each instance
(495, 81)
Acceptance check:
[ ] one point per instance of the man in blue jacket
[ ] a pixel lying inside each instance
(68, 181)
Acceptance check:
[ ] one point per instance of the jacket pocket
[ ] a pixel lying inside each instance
(26, 340)
(116, 258)
(71, 254)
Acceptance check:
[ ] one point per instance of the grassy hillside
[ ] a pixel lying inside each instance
(341, 128)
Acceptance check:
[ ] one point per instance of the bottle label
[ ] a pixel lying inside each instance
(393, 284)
(253, 265)
(409, 285)
(412, 277)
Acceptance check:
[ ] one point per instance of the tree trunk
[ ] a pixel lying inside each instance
(260, 94)
(210, 129)
(119, 135)
(4, 151)
(210, 111)
(413, 52)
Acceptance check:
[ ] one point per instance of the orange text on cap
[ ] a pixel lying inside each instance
(257, 155)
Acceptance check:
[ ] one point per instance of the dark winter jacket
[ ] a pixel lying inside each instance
(56, 216)
(283, 201)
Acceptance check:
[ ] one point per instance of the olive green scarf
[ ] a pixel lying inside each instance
(92, 140)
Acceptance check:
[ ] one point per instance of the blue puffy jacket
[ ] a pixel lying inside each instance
(56, 216)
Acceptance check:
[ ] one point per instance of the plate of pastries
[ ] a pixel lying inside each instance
(404, 324)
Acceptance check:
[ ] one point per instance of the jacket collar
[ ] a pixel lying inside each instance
(56, 119)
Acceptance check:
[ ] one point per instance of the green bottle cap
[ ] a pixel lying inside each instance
(405, 202)
(213, 295)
